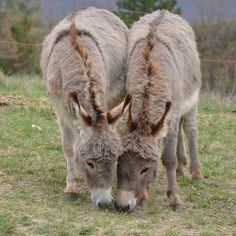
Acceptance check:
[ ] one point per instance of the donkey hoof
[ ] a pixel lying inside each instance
(179, 172)
(104, 206)
(196, 173)
(180, 169)
(69, 197)
(175, 201)
(177, 207)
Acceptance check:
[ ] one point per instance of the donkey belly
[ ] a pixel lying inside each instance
(190, 101)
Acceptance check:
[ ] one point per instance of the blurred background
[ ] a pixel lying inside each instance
(25, 23)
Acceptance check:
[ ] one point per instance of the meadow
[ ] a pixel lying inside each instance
(33, 170)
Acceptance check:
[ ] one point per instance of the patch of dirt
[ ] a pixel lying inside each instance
(15, 100)
(7, 151)
(232, 184)
(39, 221)
(216, 145)
(4, 187)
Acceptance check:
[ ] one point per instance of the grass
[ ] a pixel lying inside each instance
(33, 170)
(7, 224)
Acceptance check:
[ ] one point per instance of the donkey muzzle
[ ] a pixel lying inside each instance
(102, 198)
(125, 201)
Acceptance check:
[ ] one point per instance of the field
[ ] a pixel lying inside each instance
(33, 170)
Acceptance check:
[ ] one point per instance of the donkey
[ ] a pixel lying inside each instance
(164, 80)
(83, 62)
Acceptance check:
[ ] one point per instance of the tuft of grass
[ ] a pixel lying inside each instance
(30, 86)
(207, 233)
(213, 102)
(172, 232)
(110, 232)
(7, 224)
(86, 230)
(144, 226)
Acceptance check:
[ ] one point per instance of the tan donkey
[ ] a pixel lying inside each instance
(164, 80)
(83, 62)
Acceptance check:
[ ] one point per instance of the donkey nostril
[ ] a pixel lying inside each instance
(104, 205)
(122, 208)
(127, 208)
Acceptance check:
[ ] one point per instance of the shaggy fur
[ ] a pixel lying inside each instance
(163, 75)
(101, 145)
(104, 38)
(174, 59)
(83, 62)
(101, 148)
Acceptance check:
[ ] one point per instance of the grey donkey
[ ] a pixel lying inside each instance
(83, 62)
(164, 80)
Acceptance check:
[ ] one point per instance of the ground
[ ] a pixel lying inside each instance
(33, 170)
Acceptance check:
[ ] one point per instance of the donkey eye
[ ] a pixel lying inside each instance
(144, 171)
(90, 164)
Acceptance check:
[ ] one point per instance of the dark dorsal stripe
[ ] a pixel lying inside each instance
(153, 26)
(149, 70)
(65, 33)
(100, 118)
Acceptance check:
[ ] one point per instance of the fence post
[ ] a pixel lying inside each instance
(234, 83)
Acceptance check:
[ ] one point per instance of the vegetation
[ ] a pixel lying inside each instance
(130, 11)
(21, 21)
(216, 39)
(21, 32)
(33, 171)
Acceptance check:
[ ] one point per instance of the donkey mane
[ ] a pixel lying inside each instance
(149, 71)
(94, 77)
(150, 92)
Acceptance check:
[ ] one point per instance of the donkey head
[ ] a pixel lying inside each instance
(96, 154)
(137, 165)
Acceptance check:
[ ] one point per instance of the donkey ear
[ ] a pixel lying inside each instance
(157, 127)
(118, 111)
(85, 116)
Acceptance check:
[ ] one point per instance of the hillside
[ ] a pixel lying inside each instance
(192, 10)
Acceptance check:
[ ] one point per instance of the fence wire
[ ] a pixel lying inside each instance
(216, 60)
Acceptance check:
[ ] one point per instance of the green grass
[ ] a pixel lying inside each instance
(210, 102)
(7, 224)
(33, 170)
(172, 233)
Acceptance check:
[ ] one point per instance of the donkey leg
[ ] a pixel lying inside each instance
(68, 134)
(169, 160)
(190, 128)
(68, 139)
(181, 154)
